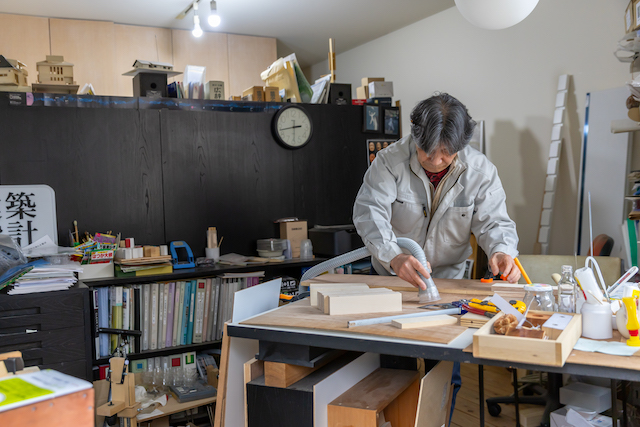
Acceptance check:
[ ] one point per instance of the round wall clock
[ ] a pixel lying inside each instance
(292, 126)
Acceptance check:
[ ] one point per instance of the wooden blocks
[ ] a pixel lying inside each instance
(373, 301)
(472, 320)
(424, 321)
(284, 374)
(314, 288)
(391, 391)
(151, 251)
(324, 296)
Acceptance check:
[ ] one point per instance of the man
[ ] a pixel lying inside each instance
(433, 188)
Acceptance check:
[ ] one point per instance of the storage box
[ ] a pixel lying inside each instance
(552, 352)
(96, 271)
(362, 92)
(558, 418)
(586, 396)
(366, 80)
(381, 90)
(254, 93)
(295, 232)
(272, 94)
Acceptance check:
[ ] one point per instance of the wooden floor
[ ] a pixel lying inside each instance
(497, 382)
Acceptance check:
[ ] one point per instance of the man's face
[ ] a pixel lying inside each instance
(439, 161)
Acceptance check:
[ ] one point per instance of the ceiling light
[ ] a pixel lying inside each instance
(197, 31)
(495, 14)
(214, 18)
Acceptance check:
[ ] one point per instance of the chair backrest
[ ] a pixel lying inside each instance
(539, 268)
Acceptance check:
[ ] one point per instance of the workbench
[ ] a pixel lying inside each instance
(297, 323)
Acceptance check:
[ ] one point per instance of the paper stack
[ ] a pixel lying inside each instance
(46, 278)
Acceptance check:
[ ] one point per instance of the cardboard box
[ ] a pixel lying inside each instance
(381, 90)
(254, 93)
(592, 397)
(235, 98)
(272, 94)
(629, 16)
(366, 80)
(214, 90)
(552, 352)
(295, 232)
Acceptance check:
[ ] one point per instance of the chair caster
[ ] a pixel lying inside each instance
(494, 409)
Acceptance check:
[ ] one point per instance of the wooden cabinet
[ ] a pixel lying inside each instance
(51, 329)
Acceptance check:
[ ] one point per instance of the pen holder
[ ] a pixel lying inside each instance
(213, 253)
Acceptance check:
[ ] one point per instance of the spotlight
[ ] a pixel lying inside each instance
(214, 18)
(197, 31)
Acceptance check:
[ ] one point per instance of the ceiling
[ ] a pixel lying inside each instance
(300, 26)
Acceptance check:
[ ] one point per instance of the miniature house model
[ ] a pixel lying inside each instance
(55, 76)
(13, 73)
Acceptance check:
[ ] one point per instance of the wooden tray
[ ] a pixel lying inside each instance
(551, 352)
(144, 260)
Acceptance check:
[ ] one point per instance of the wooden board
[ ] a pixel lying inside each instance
(302, 315)
(222, 381)
(424, 322)
(323, 296)
(365, 302)
(144, 260)
(434, 390)
(74, 409)
(315, 288)
(253, 369)
(282, 375)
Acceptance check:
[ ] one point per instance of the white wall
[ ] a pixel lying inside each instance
(509, 79)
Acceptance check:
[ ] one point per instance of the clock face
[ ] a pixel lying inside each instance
(292, 127)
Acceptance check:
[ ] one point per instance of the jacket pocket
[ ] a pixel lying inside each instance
(408, 218)
(455, 225)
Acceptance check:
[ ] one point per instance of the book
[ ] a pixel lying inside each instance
(145, 316)
(96, 321)
(153, 322)
(26, 389)
(633, 242)
(116, 314)
(137, 291)
(125, 308)
(170, 304)
(192, 307)
(161, 314)
(198, 314)
(185, 313)
(103, 310)
(177, 327)
(207, 302)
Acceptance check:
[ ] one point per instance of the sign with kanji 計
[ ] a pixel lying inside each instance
(28, 212)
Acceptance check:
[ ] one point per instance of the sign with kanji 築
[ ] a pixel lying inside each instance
(28, 212)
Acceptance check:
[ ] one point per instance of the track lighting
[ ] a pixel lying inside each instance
(197, 30)
(214, 18)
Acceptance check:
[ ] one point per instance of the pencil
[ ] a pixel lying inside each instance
(524, 273)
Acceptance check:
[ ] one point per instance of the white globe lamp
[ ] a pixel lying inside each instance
(495, 14)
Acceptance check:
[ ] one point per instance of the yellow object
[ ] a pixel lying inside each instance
(489, 306)
(524, 273)
(632, 321)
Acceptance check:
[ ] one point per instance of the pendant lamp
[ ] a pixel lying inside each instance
(495, 14)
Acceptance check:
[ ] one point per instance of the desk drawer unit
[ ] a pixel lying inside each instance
(50, 329)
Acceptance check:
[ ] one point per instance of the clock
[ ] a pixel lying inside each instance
(292, 127)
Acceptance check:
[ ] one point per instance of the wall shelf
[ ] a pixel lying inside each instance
(624, 125)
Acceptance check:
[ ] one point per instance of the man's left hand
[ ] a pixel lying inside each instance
(501, 262)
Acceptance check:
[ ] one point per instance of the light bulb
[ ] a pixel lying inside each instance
(214, 19)
(197, 31)
(495, 14)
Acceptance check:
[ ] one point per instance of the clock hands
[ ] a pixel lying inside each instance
(291, 127)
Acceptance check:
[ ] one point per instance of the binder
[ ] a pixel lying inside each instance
(103, 322)
(146, 316)
(170, 304)
(185, 313)
(207, 302)
(192, 305)
(161, 314)
(153, 308)
(177, 325)
(198, 316)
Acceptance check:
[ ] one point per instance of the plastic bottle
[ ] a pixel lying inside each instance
(567, 290)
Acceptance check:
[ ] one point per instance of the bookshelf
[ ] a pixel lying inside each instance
(286, 268)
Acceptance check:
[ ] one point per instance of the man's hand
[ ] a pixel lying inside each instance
(407, 268)
(501, 262)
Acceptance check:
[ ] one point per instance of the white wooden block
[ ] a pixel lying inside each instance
(424, 321)
(554, 148)
(561, 99)
(545, 218)
(552, 166)
(563, 82)
(556, 131)
(547, 201)
(550, 183)
(315, 287)
(543, 235)
(558, 115)
(323, 296)
(366, 303)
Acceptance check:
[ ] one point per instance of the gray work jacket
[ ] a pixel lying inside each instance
(395, 200)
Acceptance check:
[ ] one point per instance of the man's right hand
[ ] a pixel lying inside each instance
(407, 268)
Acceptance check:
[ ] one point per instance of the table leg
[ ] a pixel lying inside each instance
(515, 396)
(614, 402)
(554, 382)
(624, 403)
(481, 392)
